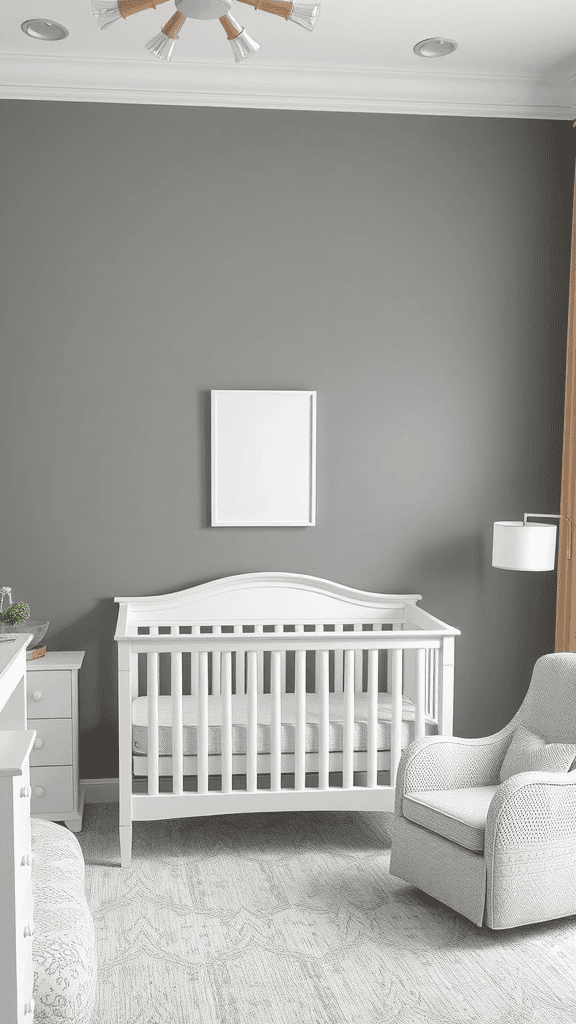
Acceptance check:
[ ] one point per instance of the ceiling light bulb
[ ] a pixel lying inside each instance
(42, 28)
(437, 46)
(304, 15)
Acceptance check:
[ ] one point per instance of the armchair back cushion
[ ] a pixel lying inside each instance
(529, 752)
(549, 707)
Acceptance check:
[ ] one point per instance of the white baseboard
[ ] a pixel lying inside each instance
(100, 791)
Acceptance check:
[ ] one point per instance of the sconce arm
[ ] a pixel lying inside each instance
(547, 515)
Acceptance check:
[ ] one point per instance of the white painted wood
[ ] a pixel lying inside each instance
(396, 721)
(16, 904)
(348, 744)
(56, 719)
(216, 666)
(226, 722)
(252, 728)
(372, 743)
(263, 458)
(420, 711)
(446, 687)
(300, 739)
(338, 663)
(193, 664)
(177, 725)
(323, 684)
(381, 89)
(240, 665)
(276, 690)
(152, 689)
(202, 732)
(248, 603)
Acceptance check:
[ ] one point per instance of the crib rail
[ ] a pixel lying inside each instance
(255, 665)
(261, 696)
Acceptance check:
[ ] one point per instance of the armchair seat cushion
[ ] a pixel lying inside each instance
(456, 814)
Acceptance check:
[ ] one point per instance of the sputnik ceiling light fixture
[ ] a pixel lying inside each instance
(162, 45)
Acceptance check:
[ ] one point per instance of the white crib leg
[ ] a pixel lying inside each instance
(125, 846)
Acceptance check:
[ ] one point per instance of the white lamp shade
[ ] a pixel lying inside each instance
(529, 547)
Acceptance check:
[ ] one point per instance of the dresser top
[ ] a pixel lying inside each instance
(14, 749)
(56, 660)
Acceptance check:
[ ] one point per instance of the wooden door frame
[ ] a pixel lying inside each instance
(565, 622)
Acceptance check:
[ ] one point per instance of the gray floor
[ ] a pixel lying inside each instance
(294, 919)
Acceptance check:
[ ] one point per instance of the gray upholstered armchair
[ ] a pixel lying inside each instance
(477, 830)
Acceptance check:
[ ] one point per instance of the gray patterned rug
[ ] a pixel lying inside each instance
(294, 919)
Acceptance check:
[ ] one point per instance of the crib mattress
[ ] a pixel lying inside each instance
(288, 730)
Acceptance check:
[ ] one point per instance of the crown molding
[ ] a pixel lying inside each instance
(284, 88)
(571, 89)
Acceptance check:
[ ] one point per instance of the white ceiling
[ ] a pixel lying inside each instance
(515, 58)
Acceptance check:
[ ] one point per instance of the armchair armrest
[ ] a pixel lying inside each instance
(451, 762)
(530, 849)
(532, 809)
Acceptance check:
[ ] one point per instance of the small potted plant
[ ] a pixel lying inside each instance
(15, 618)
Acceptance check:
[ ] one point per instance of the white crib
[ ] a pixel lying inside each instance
(273, 692)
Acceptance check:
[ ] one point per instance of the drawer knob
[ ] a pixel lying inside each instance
(26, 860)
(38, 742)
(29, 930)
(38, 790)
(37, 695)
(30, 1006)
(25, 791)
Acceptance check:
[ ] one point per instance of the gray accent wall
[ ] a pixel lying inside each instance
(413, 270)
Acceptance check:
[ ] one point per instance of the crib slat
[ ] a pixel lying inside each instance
(348, 744)
(216, 666)
(276, 720)
(279, 628)
(419, 720)
(260, 659)
(372, 705)
(396, 626)
(358, 662)
(395, 686)
(152, 691)
(240, 666)
(252, 725)
(338, 664)
(323, 687)
(177, 725)
(194, 665)
(226, 722)
(300, 739)
(202, 720)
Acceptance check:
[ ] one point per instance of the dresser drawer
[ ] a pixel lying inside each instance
(52, 789)
(49, 695)
(53, 743)
(22, 793)
(24, 941)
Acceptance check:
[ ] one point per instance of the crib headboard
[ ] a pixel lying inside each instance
(272, 599)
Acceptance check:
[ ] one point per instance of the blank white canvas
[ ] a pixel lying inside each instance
(263, 458)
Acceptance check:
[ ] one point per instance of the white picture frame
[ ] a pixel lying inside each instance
(263, 458)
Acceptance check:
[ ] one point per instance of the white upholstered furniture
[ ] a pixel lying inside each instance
(502, 853)
(273, 692)
(47, 942)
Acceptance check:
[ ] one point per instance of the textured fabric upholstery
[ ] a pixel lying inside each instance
(527, 872)
(529, 752)
(457, 814)
(64, 945)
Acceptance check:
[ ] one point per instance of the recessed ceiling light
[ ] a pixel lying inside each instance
(435, 47)
(42, 28)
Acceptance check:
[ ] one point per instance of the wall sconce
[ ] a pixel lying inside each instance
(529, 547)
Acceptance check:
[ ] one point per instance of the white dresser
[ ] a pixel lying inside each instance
(16, 902)
(52, 703)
